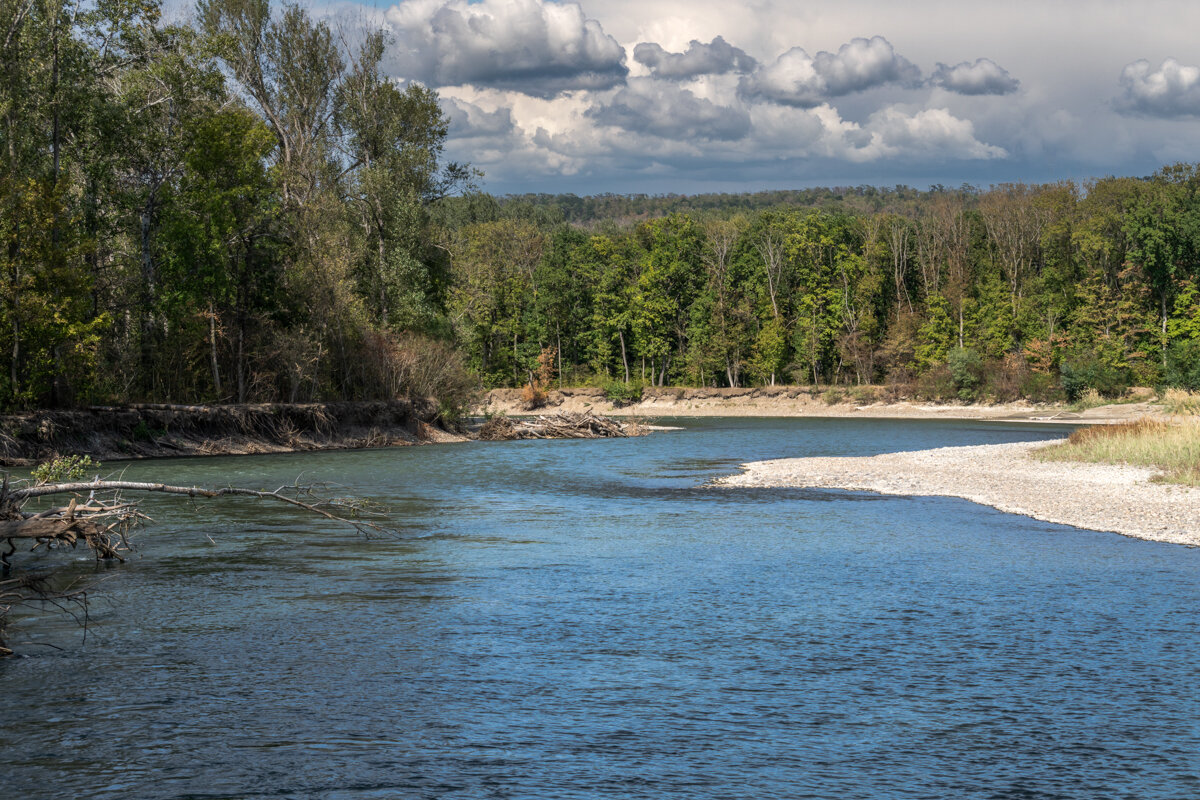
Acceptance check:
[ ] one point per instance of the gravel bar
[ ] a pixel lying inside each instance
(1100, 497)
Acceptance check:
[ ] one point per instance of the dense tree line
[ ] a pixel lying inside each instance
(246, 208)
(233, 209)
(1016, 290)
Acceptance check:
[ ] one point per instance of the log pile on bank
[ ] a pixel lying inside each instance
(557, 426)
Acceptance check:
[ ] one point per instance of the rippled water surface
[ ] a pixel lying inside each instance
(586, 619)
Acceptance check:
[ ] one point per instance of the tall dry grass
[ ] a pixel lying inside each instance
(1173, 447)
(1181, 402)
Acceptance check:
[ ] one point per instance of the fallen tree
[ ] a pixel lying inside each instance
(98, 516)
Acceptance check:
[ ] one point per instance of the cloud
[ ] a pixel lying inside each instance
(891, 134)
(536, 47)
(1171, 91)
(797, 79)
(653, 107)
(714, 58)
(469, 121)
(933, 132)
(983, 77)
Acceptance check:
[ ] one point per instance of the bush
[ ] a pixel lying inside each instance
(1041, 387)
(937, 383)
(966, 370)
(623, 394)
(1183, 366)
(419, 367)
(532, 397)
(832, 396)
(63, 469)
(863, 395)
(1089, 371)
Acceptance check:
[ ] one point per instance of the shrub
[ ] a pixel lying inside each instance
(863, 395)
(63, 469)
(832, 396)
(1040, 387)
(1090, 371)
(966, 370)
(623, 394)
(937, 383)
(532, 397)
(1005, 378)
(1183, 366)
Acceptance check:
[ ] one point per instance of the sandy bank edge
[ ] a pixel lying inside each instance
(1101, 497)
(783, 401)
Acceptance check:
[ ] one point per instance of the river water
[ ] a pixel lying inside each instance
(585, 619)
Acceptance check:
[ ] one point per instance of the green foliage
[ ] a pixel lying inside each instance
(1183, 365)
(1094, 370)
(248, 208)
(623, 394)
(966, 369)
(64, 469)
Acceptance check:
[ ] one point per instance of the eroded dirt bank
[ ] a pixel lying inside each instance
(157, 431)
(797, 401)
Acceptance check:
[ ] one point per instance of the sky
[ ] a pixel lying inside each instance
(686, 96)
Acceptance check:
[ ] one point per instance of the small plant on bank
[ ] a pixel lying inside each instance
(63, 469)
(533, 394)
(623, 394)
(1089, 398)
(832, 396)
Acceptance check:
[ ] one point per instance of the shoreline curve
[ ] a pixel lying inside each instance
(1112, 498)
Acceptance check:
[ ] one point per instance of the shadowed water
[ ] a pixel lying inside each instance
(586, 619)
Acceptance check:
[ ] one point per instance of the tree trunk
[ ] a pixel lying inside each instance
(212, 353)
(624, 356)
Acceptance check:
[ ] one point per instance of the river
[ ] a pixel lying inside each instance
(585, 619)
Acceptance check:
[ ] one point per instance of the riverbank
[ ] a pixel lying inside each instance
(164, 431)
(801, 401)
(1104, 497)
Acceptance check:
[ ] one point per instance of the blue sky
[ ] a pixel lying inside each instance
(686, 96)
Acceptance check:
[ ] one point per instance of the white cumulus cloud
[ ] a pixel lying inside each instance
(535, 47)
(982, 77)
(805, 81)
(1172, 90)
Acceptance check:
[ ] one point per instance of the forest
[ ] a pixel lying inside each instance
(246, 208)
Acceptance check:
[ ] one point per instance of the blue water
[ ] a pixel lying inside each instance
(587, 619)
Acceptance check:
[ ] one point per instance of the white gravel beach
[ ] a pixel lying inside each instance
(1098, 497)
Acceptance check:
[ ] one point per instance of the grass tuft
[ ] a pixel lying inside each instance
(1173, 447)
(1181, 402)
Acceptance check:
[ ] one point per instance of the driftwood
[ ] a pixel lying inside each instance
(557, 426)
(98, 516)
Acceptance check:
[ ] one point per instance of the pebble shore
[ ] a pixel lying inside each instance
(1101, 497)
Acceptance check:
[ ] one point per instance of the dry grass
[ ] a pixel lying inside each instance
(1181, 402)
(1173, 447)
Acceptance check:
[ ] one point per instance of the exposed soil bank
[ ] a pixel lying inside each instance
(797, 401)
(156, 431)
(1101, 497)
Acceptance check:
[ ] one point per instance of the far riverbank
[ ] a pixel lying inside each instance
(799, 401)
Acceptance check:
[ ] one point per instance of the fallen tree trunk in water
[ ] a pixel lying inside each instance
(98, 517)
(557, 426)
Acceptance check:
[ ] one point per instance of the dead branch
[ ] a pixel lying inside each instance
(98, 516)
